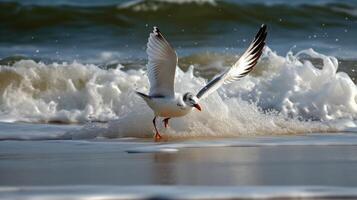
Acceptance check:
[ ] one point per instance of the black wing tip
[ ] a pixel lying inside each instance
(258, 46)
(156, 29)
(259, 40)
(263, 29)
(262, 33)
(157, 32)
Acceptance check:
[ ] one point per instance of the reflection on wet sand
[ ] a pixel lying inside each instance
(293, 165)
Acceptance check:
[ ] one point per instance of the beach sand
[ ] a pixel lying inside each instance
(76, 163)
(313, 164)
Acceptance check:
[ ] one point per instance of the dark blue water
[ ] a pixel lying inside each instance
(90, 31)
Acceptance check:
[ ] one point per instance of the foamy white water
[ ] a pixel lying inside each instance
(283, 95)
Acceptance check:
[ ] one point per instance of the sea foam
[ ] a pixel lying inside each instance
(298, 93)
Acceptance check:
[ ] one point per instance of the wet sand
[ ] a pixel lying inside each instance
(105, 163)
(83, 162)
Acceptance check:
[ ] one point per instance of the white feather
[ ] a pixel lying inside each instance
(161, 66)
(241, 68)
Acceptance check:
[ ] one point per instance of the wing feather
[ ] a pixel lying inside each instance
(241, 68)
(161, 66)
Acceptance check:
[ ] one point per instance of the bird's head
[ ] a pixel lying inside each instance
(191, 100)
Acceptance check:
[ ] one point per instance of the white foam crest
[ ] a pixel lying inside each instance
(66, 93)
(351, 11)
(298, 88)
(289, 96)
(220, 117)
(290, 92)
(143, 5)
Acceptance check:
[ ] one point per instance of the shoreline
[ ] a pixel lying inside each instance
(314, 166)
(322, 160)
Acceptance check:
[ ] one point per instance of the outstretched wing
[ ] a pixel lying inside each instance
(161, 66)
(241, 68)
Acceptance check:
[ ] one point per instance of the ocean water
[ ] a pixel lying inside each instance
(80, 62)
(69, 71)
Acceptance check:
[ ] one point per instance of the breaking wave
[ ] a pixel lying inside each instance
(298, 93)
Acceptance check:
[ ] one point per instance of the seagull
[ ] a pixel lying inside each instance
(161, 67)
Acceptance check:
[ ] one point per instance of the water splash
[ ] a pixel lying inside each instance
(298, 93)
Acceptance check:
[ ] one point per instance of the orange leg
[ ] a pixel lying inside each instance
(166, 122)
(157, 134)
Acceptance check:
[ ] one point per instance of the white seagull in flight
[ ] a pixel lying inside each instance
(161, 68)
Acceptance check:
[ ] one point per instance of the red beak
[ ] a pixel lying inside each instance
(198, 107)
